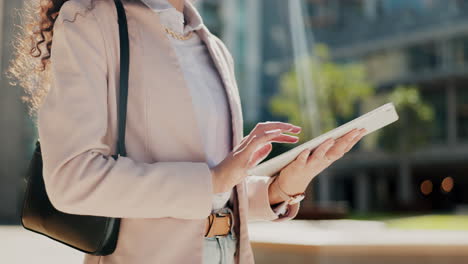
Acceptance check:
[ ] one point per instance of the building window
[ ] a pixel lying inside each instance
(423, 57)
(211, 12)
(438, 99)
(462, 113)
(460, 51)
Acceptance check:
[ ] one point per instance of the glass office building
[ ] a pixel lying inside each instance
(421, 43)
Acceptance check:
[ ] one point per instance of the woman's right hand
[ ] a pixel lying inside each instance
(251, 150)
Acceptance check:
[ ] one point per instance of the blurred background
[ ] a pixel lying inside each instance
(398, 196)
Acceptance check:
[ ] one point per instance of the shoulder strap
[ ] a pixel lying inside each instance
(124, 72)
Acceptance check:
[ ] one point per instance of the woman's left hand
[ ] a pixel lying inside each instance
(296, 176)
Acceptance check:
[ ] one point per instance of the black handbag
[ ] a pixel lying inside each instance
(94, 235)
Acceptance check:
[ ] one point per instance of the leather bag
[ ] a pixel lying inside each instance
(94, 235)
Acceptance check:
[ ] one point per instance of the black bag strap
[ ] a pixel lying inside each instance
(124, 72)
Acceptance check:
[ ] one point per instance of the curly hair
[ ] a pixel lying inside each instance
(32, 46)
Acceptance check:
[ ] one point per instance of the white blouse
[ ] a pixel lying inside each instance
(206, 87)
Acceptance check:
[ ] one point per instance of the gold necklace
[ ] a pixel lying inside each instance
(177, 35)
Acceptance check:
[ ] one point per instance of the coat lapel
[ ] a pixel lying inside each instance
(239, 199)
(175, 97)
(222, 68)
(179, 95)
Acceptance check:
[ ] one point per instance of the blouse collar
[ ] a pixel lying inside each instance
(173, 19)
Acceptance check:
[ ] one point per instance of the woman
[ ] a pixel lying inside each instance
(182, 190)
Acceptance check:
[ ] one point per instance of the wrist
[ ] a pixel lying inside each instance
(214, 180)
(277, 194)
(273, 196)
(217, 183)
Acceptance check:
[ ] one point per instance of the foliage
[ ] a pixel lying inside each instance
(431, 222)
(416, 118)
(338, 87)
(413, 221)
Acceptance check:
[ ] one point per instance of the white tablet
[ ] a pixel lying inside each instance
(371, 121)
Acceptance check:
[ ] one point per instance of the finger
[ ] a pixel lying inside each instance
(244, 142)
(241, 148)
(356, 140)
(285, 127)
(302, 157)
(244, 139)
(261, 128)
(259, 141)
(322, 149)
(338, 150)
(259, 155)
(282, 138)
(259, 132)
(294, 130)
(349, 136)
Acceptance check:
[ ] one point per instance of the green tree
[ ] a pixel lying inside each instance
(415, 121)
(338, 87)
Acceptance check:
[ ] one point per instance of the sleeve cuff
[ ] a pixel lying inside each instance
(259, 205)
(280, 209)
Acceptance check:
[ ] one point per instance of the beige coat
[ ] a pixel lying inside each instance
(162, 190)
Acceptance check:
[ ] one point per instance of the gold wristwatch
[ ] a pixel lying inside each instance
(286, 197)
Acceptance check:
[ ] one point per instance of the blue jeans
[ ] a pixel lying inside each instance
(220, 249)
